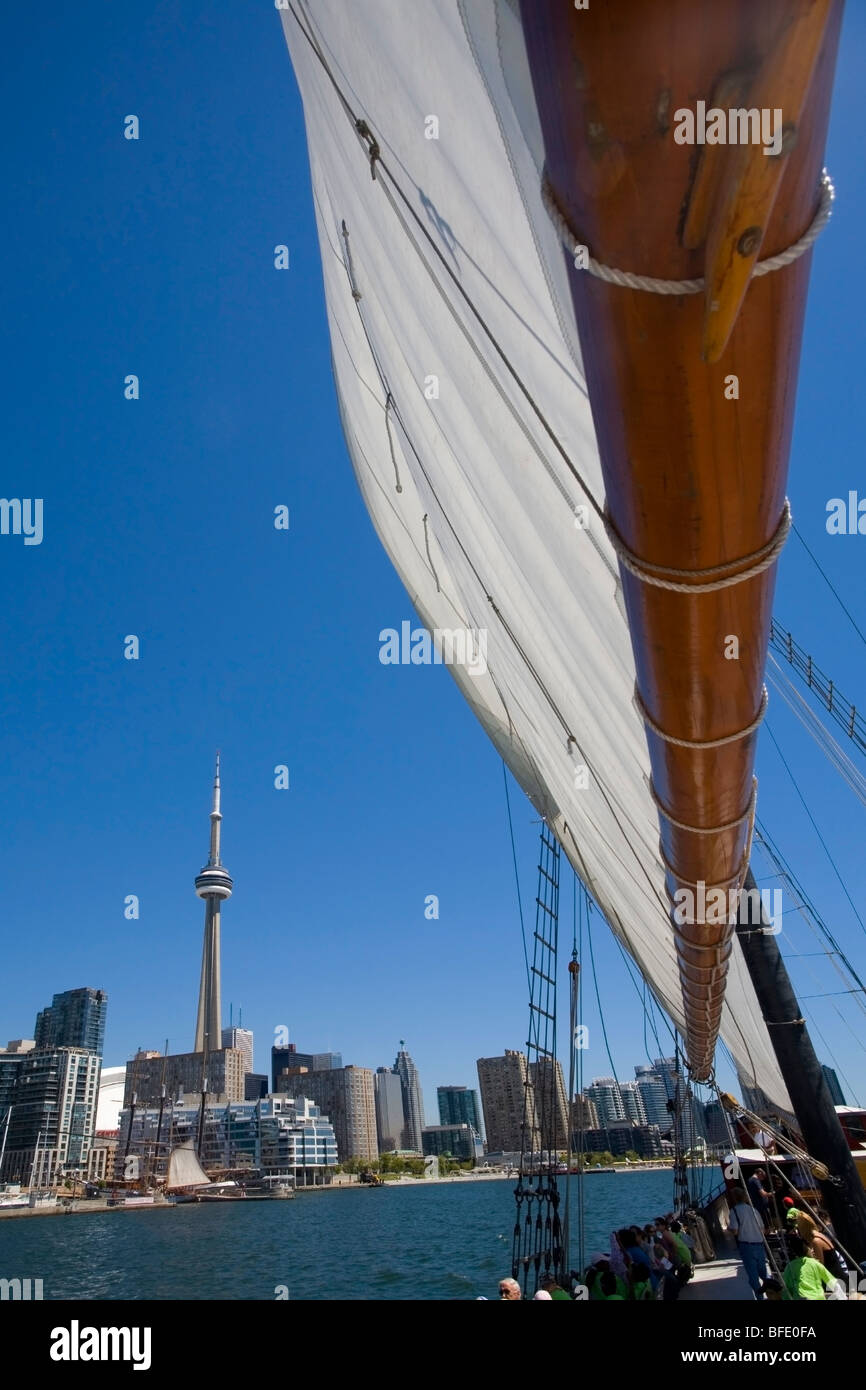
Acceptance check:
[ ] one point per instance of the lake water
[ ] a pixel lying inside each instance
(436, 1241)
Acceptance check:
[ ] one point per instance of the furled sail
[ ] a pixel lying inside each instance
(184, 1169)
(464, 402)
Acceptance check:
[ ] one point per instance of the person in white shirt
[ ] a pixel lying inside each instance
(748, 1228)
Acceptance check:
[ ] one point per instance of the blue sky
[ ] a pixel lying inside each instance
(155, 257)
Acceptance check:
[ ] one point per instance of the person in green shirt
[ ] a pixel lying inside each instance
(611, 1287)
(803, 1277)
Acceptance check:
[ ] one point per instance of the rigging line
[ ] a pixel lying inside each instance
(809, 720)
(815, 827)
(830, 586)
(842, 710)
(807, 907)
(597, 995)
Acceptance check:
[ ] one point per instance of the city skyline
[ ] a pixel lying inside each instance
(105, 757)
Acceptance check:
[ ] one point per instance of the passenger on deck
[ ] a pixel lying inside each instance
(748, 1228)
(804, 1277)
(760, 1197)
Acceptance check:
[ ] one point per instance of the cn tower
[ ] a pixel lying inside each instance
(213, 884)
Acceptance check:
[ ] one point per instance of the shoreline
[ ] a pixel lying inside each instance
(89, 1206)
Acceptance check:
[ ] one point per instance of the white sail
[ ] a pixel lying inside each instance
(473, 500)
(184, 1169)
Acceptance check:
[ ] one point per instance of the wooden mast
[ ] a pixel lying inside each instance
(692, 394)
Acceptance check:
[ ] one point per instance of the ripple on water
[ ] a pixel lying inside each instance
(446, 1241)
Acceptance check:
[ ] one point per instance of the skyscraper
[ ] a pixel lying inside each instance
(551, 1103)
(346, 1096)
(50, 1088)
(288, 1058)
(606, 1094)
(413, 1103)
(654, 1093)
(833, 1086)
(508, 1101)
(458, 1106)
(75, 1018)
(214, 884)
(241, 1039)
(633, 1102)
(390, 1121)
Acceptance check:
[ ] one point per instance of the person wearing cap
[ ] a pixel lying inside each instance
(599, 1264)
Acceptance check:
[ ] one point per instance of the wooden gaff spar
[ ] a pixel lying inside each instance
(692, 393)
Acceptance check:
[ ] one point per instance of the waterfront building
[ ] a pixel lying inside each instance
(53, 1115)
(551, 1103)
(754, 1098)
(280, 1136)
(715, 1124)
(623, 1136)
(287, 1058)
(221, 1074)
(101, 1158)
(833, 1086)
(508, 1101)
(459, 1141)
(75, 1018)
(413, 1102)
(607, 1098)
(49, 1089)
(11, 1058)
(390, 1124)
(654, 1094)
(241, 1039)
(347, 1096)
(585, 1113)
(633, 1102)
(458, 1106)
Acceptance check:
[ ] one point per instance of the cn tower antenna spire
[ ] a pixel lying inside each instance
(214, 884)
(215, 817)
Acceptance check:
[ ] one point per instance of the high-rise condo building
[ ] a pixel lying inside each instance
(654, 1094)
(288, 1058)
(551, 1104)
(633, 1102)
(390, 1123)
(833, 1086)
(75, 1018)
(508, 1101)
(345, 1096)
(413, 1101)
(459, 1106)
(606, 1094)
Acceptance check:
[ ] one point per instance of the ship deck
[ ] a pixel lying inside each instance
(721, 1280)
